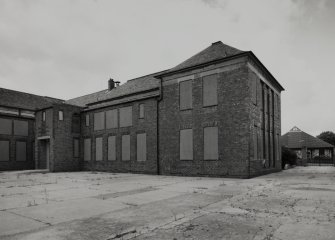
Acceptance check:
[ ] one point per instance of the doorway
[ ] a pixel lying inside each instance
(44, 154)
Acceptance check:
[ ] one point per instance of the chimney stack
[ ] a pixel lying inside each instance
(111, 84)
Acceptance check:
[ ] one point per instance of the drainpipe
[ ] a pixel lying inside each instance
(157, 124)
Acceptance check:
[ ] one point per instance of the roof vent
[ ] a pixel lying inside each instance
(112, 84)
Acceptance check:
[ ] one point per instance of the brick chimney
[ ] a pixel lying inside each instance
(111, 84)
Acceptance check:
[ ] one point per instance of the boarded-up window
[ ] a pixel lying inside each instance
(186, 144)
(211, 143)
(98, 149)
(60, 115)
(21, 151)
(5, 126)
(20, 128)
(111, 119)
(126, 116)
(254, 80)
(87, 149)
(99, 121)
(43, 116)
(210, 93)
(255, 143)
(111, 148)
(125, 147)
(76, 147)
(4, 150)
(141, 147)
(141, 110)
(87, 120)
(278, 147)
(185, 95)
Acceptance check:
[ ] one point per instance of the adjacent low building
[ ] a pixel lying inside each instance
(215, 114)
(309, 149)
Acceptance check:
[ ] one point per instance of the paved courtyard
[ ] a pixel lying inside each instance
(294, 204)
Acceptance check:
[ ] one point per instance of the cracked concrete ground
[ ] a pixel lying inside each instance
(294, 204)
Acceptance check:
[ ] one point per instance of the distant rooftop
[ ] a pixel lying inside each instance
(296, 138)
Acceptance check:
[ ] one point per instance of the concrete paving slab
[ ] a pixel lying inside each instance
(57, 212)
(11, 223)
(303, 231)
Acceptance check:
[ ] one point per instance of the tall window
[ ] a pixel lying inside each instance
(186, 144)
(141, 110)
(60, 115)
(21, 151)
(111, 148)
(211, 143)
(99, 121)
(125, 147)
(87, 120)
(43, 116)
(87, 149)
(185, 95)
(98, 149)
(5, 126)
(75, 147)
(111, 119)
(20, 128)
(141, 152)
(255, 142)
(210, 92)
(254, 81)
(4, 150)
(126, 116)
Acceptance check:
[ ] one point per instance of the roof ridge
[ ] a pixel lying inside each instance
(31, 94)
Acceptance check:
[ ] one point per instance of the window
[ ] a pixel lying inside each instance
(87, 120)
(126, 116)
(255, 142)
(99, 121)
(26, 113)
(111, 119)
(20, 128)
(254, 80)
(4, 150)
(186, 144)
(21, 151)
(141, 147)
(141, 110)
(185, 95)
(75, 123)
(210, 92)
(60, 115)
(5, 126)
(98, 149)
(125, 147)
(211, 143)
(43, 116)
(76, 147)
(111, 148)
(9, 110)
(87, 149)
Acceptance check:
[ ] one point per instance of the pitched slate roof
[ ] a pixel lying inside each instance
(136, 85)
(16, 99)
(216, 51)
(296, 138)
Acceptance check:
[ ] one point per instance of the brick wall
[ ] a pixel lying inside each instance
(231, 115)
(13, 164)
(147, 125)
(266, 119)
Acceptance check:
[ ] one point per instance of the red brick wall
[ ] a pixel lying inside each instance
(231, 115)
(147, 125)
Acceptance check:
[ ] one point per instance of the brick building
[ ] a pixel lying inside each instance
(215, 114)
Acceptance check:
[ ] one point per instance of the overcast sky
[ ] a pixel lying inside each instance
(69, 48)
